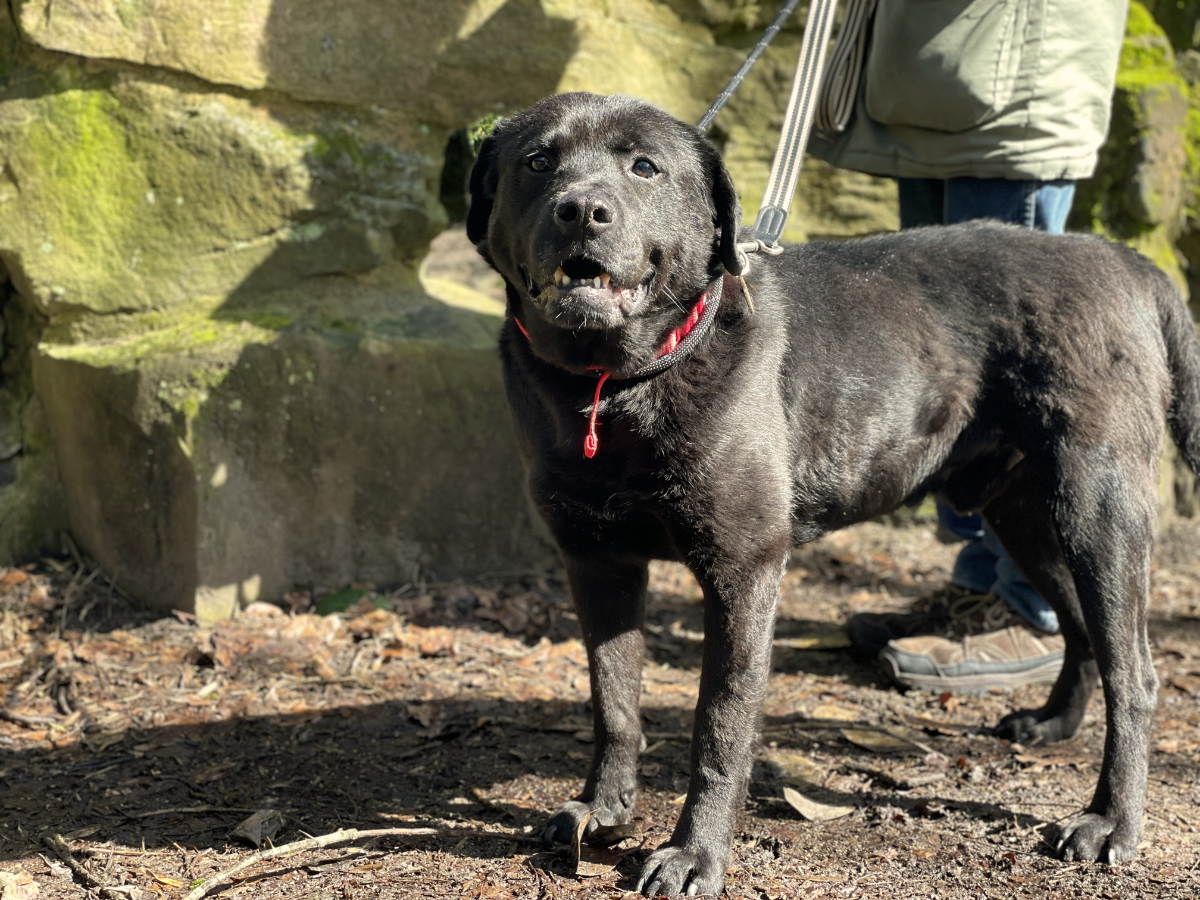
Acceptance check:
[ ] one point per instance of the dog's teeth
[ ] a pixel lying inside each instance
(596, 282)
(604, 279)
(559, 275)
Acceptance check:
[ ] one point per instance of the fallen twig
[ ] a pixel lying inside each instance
(71, 547)
(28, 721)
(190, 809)
(338, 837)
(56, 843)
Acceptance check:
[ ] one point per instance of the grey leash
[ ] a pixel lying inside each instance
(744, 69)
(785, 170)
(830, 103)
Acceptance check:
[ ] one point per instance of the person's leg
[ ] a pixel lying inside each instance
(1052, 205)
(975, 568)
(1012, 586)
(989, 626)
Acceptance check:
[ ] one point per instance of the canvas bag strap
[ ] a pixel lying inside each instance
(785, 170)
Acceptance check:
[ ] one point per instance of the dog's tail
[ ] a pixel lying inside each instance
(1183, 356)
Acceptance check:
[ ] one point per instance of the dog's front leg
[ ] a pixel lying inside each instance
(739, 619)
(610, 596)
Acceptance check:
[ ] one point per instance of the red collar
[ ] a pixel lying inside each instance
(671, 347)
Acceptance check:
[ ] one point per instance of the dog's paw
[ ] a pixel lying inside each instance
(678, 870)
(1092, 836)
(1034, 726)
(561, 827)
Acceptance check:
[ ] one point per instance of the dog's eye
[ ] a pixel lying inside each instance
(644, 168)
(540, 163)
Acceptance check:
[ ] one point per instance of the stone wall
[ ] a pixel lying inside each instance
(222, 371)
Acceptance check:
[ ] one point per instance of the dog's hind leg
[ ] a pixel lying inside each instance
(1105, 508)
(1021, 518)
(610, 596)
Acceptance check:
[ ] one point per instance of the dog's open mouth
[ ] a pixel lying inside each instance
(581, 272)
(581, 292)
(576, 273)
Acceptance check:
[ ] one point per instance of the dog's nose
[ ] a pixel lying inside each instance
(584, 216)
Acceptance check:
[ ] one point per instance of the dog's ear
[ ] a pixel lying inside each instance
(727, 212)
(482, 187)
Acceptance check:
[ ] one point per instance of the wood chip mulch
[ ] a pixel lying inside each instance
(458, 715)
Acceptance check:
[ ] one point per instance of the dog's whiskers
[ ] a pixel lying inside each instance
(671, 296)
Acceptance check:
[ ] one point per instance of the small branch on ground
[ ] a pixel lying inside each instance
(339, 837)
(56, 843)
(28, 721)
(190, 809)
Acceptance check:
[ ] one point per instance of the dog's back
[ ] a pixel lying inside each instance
(934, 346)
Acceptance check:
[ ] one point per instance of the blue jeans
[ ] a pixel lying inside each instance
(983, 564)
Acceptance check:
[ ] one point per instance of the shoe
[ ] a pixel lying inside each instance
(983, 644)
(870, 631)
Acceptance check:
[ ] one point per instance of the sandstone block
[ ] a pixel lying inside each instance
(121, 193)
(215, 464)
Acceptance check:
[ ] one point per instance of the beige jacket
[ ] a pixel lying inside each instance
(989, 88)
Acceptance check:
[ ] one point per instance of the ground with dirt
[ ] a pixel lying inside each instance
(458, 715)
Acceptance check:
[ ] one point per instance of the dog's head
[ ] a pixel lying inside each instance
(599, 211)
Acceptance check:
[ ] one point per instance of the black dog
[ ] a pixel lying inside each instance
(664, 414)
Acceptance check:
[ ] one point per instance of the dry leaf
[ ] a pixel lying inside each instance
(811, 809)
(267, 610)
(577, 837)
(834, 713)
(828, 640)
(259, 828)
(57, 868)
(593, 861)
(596, 861)
(42, 599)
(436, 642)
(796, 768)
(17, 886)
(413, 606)
(608, 835)
(513, 615)
(879, 741)
(11, 578)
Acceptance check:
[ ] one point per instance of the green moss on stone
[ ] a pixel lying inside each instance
(132, 13)
(78, 147)
(273, 321)
(1117, 200)
(129, 352)
(479, 130)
